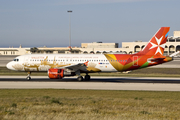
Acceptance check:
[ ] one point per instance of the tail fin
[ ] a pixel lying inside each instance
(157, 43)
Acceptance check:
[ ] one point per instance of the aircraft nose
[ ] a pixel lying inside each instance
(9, 66)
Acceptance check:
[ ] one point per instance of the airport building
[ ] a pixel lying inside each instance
(14, 51)
(172, 45)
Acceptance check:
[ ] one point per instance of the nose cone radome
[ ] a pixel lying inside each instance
(9, 66)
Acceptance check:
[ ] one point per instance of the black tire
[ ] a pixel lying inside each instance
(28, 78)
(80, 78)
(87, 77)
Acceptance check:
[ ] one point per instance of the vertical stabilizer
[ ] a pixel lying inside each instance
(157, 43)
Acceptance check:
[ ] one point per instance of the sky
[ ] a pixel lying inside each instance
(37, 23)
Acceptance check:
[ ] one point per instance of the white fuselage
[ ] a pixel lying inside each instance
(43, 62)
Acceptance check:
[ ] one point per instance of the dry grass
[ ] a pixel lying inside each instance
(45, 104)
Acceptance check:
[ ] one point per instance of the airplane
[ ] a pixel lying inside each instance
(58, 66)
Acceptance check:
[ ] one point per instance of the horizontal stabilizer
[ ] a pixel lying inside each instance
(174, 54)
(155, 59)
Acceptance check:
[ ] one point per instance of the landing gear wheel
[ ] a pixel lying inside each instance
(80, 78)
(28, 78)
(87, 77)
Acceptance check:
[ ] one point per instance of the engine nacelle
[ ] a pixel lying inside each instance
(54, 73)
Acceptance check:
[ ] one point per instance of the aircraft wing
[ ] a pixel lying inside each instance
(75, 67)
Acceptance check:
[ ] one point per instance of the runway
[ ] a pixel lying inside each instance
(96, 83)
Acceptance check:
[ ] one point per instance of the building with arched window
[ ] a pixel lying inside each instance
(172, 45)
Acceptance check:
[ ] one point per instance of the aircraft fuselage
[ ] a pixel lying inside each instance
(93, 62)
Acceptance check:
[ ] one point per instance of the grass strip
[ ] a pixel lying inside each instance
(88, 104)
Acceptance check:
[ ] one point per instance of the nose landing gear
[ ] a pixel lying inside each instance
(28, 76)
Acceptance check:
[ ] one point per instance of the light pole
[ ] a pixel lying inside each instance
(69, 11)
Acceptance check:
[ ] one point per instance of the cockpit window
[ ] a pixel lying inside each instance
(16, 60)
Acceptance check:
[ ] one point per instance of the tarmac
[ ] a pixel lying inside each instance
(96, 83)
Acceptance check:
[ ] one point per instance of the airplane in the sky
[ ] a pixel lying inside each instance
(58, 66)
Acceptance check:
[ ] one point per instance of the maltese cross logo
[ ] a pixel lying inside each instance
(158, 45)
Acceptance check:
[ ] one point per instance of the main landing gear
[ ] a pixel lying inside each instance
(28, 76)
(80, 78)
(86, 77)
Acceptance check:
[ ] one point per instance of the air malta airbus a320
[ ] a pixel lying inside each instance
(58, 66)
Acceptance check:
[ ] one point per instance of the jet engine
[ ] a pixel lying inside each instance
(54, 73)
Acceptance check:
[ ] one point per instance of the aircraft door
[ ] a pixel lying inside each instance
(26, 59)
(135, 60)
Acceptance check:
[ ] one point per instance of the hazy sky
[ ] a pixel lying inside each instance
(35, 23)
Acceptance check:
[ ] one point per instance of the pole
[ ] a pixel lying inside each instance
(69, 11)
